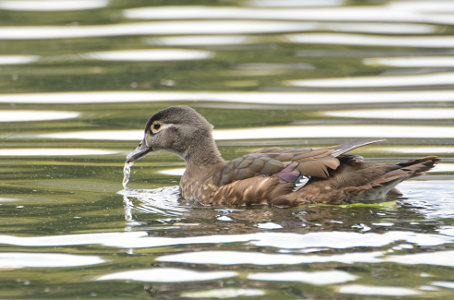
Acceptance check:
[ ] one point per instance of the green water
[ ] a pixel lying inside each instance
(73, 103)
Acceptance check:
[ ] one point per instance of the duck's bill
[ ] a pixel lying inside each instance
(141, 151)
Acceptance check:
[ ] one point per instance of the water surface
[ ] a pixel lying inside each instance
(79, 79)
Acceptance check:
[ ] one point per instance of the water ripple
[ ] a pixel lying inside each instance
(18, 59)
(438, 258)
(201, 40)
(373, 40)
(294, 3)
(441, 6)
(372, 13)
(446, 78)
(52, 5)
(299, 131)
(168, 275)
(149, 55)
(223, 293)
(433, 205)
(279, 240)
(377, 290)
(35, 115)
(46, 260)
(412, 62)
(151, 28)
(164, 201)
(282, 97)
(54, 152)
(395, 113)
(315, 278)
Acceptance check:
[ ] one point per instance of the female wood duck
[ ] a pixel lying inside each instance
(273, 176)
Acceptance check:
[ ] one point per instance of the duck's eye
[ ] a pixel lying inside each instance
(156, 126)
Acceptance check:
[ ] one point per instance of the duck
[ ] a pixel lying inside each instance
(281, 177)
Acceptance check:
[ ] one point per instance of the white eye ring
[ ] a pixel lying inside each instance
(156, 127)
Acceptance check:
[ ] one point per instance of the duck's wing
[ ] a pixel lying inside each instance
(314, 163)
(317, 163)
(267, 161)
(250, 165)
(283, 150)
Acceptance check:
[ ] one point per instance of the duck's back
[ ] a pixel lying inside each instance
(289, 177)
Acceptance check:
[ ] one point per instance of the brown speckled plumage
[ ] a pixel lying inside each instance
(273, 176)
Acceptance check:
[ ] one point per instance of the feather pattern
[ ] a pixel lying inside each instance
(273, 176)
(316, 163)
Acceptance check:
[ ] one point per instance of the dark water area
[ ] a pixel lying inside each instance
(79, 79)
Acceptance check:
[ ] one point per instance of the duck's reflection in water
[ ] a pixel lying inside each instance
(323, 233)
(164, 209)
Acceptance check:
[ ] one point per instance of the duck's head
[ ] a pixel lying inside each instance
(177, 129)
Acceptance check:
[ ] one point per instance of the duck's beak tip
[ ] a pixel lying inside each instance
(141, 151)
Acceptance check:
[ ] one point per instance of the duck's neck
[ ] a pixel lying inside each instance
(203, 153)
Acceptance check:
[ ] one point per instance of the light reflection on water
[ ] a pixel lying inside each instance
(164, 201)
(395, 113)
(441, 6)
(168, 275)
(433, 208)
(371, 13)
(316, 278)
(441, 258)
(294, 3)
(297, 243)
(299, 98)
(373, 40)
(172, 172)
(300, 131)
(379, 81)
(377, 290)
(35, 115)
(149, 55)
(444, 284)
(77, 86)
(224, 293)
(413, 61)
(201, 40)
(15, 260)
(338, 131)
(151, 28)
(17, 59)
(53, 152)
(188, 12)
(52, 5)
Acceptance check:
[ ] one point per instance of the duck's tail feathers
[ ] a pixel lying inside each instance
(419, 166)
(381, 186)
(409, 169)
